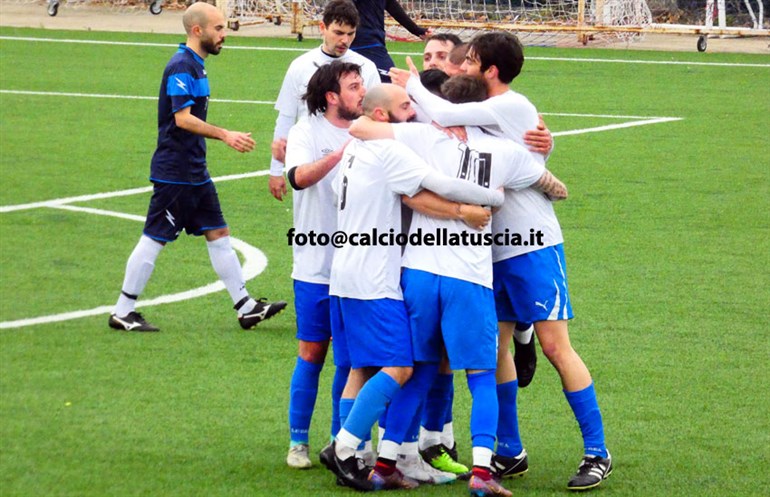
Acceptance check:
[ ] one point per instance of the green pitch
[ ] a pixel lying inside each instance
(667, 235)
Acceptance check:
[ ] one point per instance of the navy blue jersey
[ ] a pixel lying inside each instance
(181, 156)
(371, 28)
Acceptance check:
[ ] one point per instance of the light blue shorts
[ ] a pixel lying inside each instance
(370, 333)
(533, 287)
(311, 305)
(456, 314)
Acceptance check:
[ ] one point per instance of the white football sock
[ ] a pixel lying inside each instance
(139, 268)
(228, 268)
(523, 337)
(448, 435)
(482, 457)
(429, 438)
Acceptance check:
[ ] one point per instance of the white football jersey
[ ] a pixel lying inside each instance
(509, 115)
(371, 178)
(464, 253)
(311, 139)
(525, 210)
(302, 68)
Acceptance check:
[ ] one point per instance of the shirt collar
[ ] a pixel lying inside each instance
(198, 58)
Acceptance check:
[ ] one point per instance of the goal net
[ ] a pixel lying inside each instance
(112, 6)
(536, 22)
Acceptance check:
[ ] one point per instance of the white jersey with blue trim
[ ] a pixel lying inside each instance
(311, 139)
(484, 159)
(371, 178)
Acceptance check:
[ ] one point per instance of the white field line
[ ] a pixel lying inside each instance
(122, 97)
(415, 54)
(254, 259)
(617, 126)
(121, 193)
(254, 262)
(262, 102)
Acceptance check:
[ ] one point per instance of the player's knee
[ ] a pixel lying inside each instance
(400, 374)
(313, 352)
(216, 234)
(558, 353)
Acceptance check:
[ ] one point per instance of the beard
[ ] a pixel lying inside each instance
(395, 120)
(348, 114)
(210, 47)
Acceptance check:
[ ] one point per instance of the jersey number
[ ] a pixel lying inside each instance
(475, 166)
(344, 192)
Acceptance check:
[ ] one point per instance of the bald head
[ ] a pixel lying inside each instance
(388, 103)
(205, 27)
(198, 14)
(377, 97)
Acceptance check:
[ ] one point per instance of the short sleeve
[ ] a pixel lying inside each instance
(299, 146)
(179, 88)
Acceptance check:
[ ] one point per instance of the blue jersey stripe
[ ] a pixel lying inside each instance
(185, 84)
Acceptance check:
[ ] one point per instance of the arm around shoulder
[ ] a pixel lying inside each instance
(551, 186)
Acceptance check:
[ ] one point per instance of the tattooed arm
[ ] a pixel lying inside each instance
(551, 186)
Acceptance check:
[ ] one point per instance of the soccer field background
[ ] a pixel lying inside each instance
(667, 236)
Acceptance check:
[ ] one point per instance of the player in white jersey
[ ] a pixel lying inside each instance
(448, 286)
(338, 28)
(334, 97)
(497, 58)
(369, 320)
(531, 285)
(314, 146)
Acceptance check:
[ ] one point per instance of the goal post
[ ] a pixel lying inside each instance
(580, 19)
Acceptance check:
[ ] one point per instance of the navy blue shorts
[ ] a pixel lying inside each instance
(379, 55)
(194, 208)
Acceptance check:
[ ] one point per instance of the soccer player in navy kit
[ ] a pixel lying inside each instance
(184, 197)
(370, 38)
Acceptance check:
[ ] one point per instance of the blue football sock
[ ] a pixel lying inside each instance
(338, 385)
(450, 400)
(371, 401)
(508, 438)
(484, 411)
(383, 421)
(589, 417)
(439, 398)
(302, 395)
(406, 403)
(345, 406)
(413, 433)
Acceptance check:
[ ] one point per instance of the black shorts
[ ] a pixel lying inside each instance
(194, 208)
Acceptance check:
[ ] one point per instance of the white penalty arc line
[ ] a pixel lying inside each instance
(254, 262)
(287, 49)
